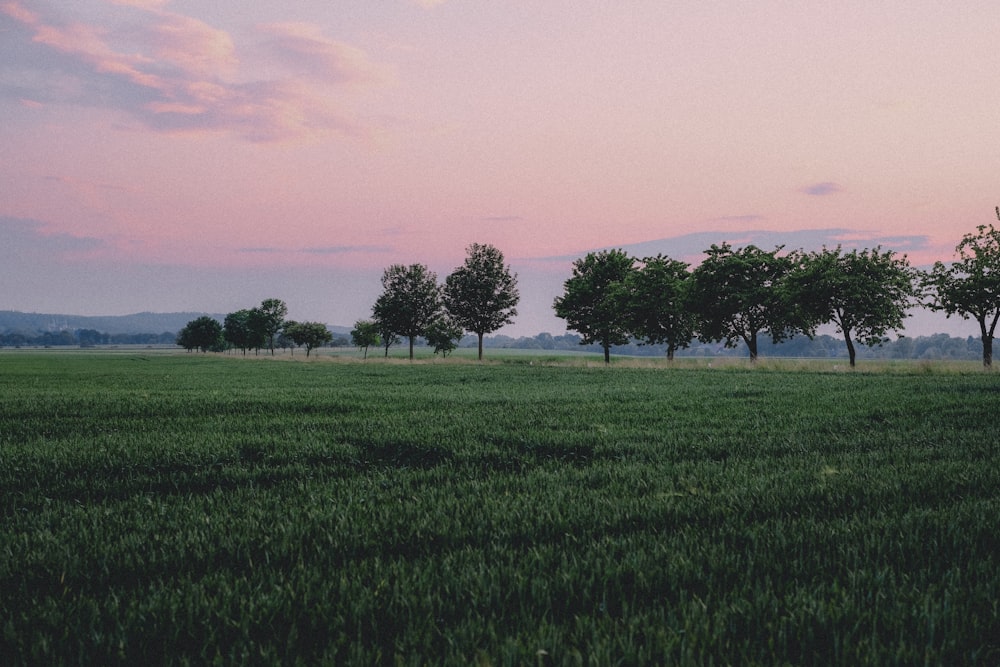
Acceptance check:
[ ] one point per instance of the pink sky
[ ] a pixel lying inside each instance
(188, 155)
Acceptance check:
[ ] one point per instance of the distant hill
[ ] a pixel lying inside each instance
(112, 324)
(138, 323)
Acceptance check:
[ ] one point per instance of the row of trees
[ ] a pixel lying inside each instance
(83, 338)
(480, 297)
(258, 328)
(743, 294)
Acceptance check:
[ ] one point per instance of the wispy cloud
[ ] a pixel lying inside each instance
(347, 249)
(502, 218)
(752, 217)
(822, 189)
(174, 73)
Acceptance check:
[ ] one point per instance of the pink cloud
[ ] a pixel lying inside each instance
(179, 74)
(304, 47)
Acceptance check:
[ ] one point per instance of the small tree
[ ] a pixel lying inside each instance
(411, 299)
(970, 287)
(308, 334)
(269, 317)
(864, 293)
(203, 333)
(595, 303)
(238, 330)
(444, 334)
(365, 334)
(735, 296)
(481, 295)
(658, 307)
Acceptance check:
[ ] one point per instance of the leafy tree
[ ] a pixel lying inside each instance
(411, 299)
(970, 287)
(239, 330)
(203, 333)
(595, 302)
(735, 296)
(481, 295)
(364, 334)
(308, 334)
(864, 293)
(386, 335)
(268, 318)
(658, 307)
(444, 334)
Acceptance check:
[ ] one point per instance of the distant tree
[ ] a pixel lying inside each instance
(269, 318)
(203, 333)
(658, 307)
(970, 287)
(283, 341)
(239, 330)
(308, 334)
(443, 334)
(595, 302)
(481, 295)
(735, 296)
(411, 299)
(365, 334)
(865, 293)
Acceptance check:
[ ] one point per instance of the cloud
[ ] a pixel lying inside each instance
(429, 4)
(502, 218)
(739, 218)
(346, 249)
(822, 189)
(304, 47)
(174, 73)
(26, 241)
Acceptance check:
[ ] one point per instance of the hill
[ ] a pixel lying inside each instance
(112, 324)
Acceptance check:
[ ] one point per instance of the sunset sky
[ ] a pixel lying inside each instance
(184, 155)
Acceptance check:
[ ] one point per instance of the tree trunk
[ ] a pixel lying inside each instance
(411, 347)
(752, 346)
(987, 338)
(851, 352)
(670, 352)
(480, 334)
(607, 353)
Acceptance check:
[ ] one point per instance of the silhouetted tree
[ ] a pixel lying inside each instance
(481, 295)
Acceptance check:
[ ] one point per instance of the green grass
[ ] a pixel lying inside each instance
(193, 509)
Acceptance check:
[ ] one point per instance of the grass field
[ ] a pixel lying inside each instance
(194, 509)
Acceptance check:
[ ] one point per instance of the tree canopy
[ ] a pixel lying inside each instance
(864, 293)
(410, 300)
(308, 334)
(970, 287)
(595, 302)
(481, 295)
(657, 303)
(203, 333)
(735, 296)
(364, 335)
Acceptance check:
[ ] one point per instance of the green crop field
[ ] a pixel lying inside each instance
(171, 508)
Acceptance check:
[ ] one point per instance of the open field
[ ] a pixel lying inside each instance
(192, 508)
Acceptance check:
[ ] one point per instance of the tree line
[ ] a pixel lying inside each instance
(748, 294)
(736, 295)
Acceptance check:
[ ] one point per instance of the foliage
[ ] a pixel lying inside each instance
(658, 308)
(203, 333)
(443, 335)
(970, 287)
(309, 334)
(481, 295)
(595, 300)
(178, 509)
(864, 293)
(365, 334)
(410, 300)
(268, 319)
(241, 331)
(735, 295)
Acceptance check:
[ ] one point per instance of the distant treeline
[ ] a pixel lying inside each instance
(937, 346)
(83, 338)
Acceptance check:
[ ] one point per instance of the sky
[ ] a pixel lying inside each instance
(182, 155)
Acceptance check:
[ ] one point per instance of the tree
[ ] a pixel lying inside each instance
(970, 287)
(308, 334)
(735, 297)
(411, 299)
(864, 293)
(658, 308)
(269, 317)
(595, 302)
(444, 334)
(365, 334)
(481, 295)
(203, 333)
(239, 331)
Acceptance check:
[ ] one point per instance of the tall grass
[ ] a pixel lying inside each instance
(191, 509)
